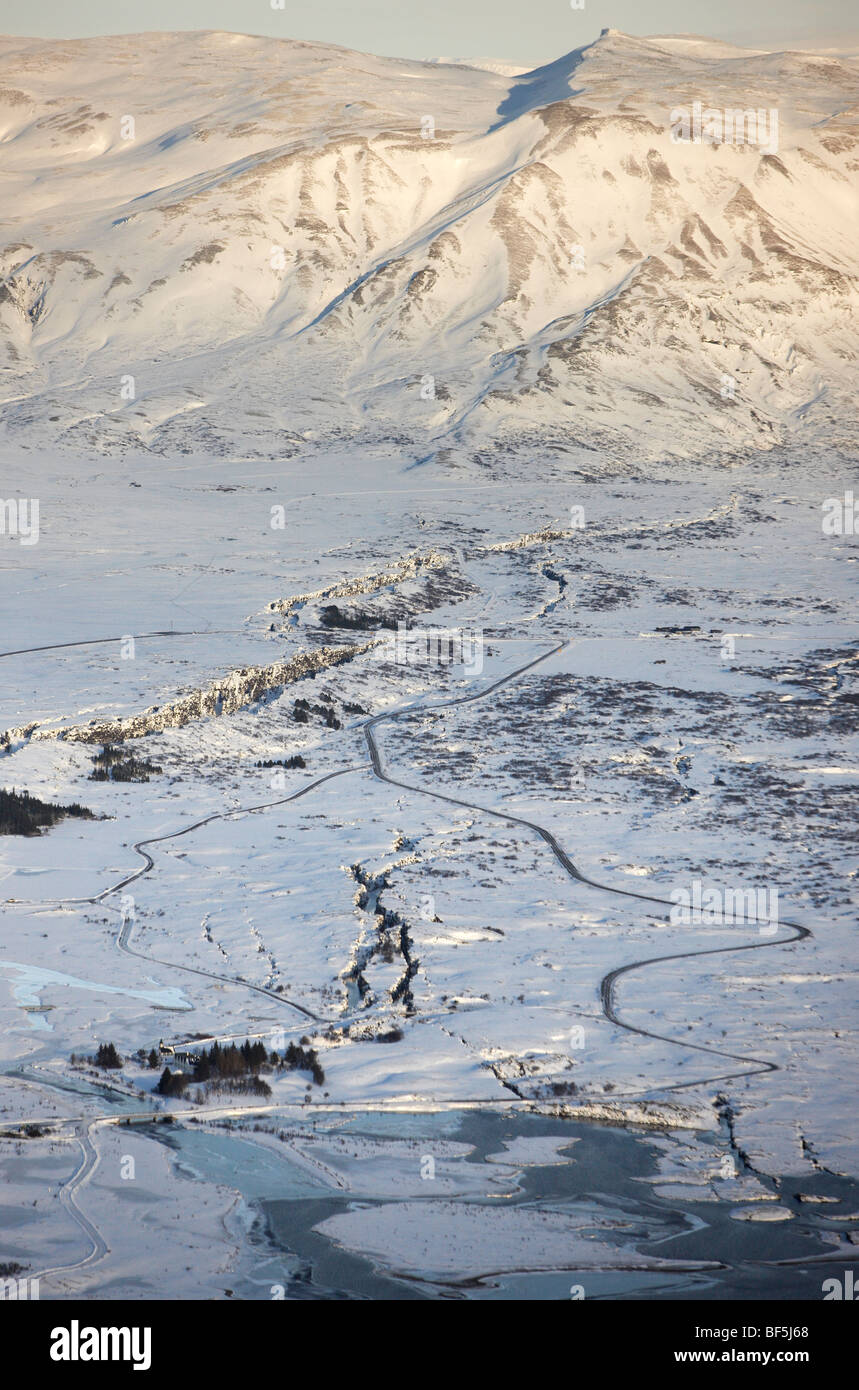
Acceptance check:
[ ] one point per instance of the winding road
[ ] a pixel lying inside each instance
(608, 982)
(607, 988)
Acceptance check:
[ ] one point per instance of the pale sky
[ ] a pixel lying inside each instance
(527, 31)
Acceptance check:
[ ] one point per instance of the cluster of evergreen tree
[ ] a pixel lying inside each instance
(107, 1056)
(22, 814)
(296, 761)
(115, 765)
(176, 1083)
(230, 1061)
(236, 1068)
(173, 1083)
(301, 1059)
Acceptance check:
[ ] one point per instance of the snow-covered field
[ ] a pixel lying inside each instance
(468, 899)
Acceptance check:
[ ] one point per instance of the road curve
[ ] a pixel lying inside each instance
(89, 1160)
(608, 983)
(87, 1166)
(126, 928)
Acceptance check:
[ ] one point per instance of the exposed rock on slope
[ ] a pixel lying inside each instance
(219, 243)
(223, 697)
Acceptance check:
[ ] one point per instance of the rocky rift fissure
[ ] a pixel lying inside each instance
(246, 686)
(386, 941)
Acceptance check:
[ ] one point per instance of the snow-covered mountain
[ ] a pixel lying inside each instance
(225, 244)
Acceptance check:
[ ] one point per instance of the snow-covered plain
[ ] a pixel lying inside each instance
(666, 684)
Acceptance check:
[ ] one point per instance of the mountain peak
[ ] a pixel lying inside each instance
(300, 230)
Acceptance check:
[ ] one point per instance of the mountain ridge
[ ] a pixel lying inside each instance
(336, 245)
